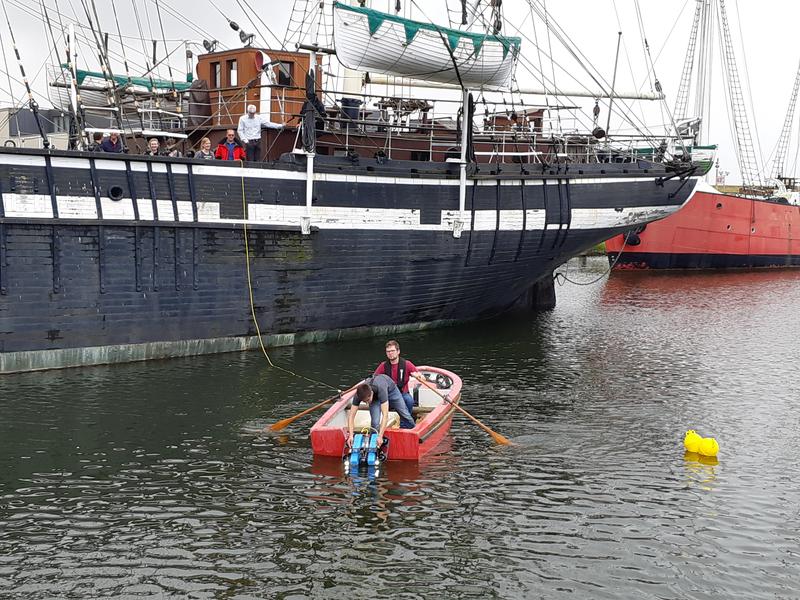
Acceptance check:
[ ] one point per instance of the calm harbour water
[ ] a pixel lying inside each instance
(154, 480)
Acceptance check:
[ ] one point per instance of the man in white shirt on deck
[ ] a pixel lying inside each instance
(249, 131)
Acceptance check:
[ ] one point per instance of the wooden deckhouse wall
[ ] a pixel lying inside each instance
(229, 101)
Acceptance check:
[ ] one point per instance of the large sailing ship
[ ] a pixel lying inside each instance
(754, 225)
(366, 214)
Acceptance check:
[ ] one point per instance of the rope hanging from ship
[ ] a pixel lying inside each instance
(252, 300)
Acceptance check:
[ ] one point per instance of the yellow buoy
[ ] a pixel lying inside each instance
(692, 441)
(708, 447)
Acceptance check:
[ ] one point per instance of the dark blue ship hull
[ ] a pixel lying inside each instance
(106, 259)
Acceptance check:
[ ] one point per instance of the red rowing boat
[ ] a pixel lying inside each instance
(433, 417)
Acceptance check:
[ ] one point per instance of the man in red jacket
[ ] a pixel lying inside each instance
(229, 149)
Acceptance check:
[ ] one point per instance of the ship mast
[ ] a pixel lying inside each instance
(682, 100)
(748, 162)
(783, 142)
(700, 50)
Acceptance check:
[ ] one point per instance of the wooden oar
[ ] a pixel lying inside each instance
(500, 439)
(284, 422)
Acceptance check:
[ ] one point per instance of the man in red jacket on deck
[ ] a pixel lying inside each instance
(229, 148)
(400, 370)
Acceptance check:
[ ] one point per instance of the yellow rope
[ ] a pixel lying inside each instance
(250, 291)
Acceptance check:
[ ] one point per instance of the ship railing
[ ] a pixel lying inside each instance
(444, 145)
(389, 125)
(535, 155)
(103, 130)
(149, 133)
(499, 145)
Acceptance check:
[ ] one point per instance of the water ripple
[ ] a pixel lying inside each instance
(157, 480)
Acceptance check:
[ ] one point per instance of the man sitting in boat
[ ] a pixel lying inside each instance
(399, 370)
(381, 394)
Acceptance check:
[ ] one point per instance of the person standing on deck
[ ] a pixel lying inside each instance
(249, 131)
(153, 147)
(171, 148)
(380, 393)
(229, 149)
(112, 143)
(205, 150)
(399, 370)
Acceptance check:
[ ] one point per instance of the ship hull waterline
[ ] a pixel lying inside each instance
(127, 258)
(714, 231)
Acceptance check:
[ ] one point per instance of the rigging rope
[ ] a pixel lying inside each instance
(153, 91)
(663, 104)
(169, 65)
(762, 167)
(561, 277)
(550, 50)
(263, 24)
(125, 62)
(31, 102)
(112, 97)
(628, 115)
(627, 53)
(10, 88)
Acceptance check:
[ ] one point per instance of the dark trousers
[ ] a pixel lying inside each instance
(253, 151)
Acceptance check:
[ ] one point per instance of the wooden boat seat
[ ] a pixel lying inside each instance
(363, 420)
(363, 417)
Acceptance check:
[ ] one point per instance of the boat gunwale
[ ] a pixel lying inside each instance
(440, 416)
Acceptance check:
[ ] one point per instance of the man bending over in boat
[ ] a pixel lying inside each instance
(399, 370)
(380, 393)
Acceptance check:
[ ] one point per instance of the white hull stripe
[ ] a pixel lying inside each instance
(38, 206)
(249, 173)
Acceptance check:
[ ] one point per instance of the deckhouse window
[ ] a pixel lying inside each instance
(233, 77)
(215, 75)
(285, 73)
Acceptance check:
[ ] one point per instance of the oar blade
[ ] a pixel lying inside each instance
(280, 424)
(501, 439)
(289, 420)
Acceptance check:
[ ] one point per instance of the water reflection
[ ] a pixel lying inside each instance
(700, 470)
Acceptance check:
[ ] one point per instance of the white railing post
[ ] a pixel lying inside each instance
(305, 224)
(458, 224)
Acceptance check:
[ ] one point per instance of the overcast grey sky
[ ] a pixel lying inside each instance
(768, 29)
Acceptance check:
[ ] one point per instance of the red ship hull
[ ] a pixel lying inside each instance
(714, 231)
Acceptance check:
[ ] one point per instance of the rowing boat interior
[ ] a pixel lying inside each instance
(425, 401)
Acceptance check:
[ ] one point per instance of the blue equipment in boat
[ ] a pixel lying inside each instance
(365, 452)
